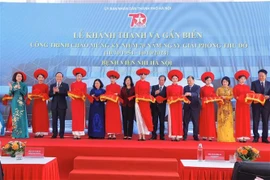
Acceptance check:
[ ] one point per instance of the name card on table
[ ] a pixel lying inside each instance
(34, 152)
(211, 155)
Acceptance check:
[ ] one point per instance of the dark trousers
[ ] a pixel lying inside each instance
(128, 117)
(158, 113)
(61, 114)
(193, 115)
(260, 112)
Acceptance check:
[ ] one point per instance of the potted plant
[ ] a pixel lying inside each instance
(247, 153)
(14, 148)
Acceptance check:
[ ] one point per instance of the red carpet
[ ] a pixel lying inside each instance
(66, 150)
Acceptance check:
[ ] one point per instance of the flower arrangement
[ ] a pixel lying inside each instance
(247, 153)
(13, 147)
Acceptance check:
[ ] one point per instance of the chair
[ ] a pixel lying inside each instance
(248, 170)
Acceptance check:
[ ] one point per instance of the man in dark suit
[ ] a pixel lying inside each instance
(261, 86)
(58, 92)
(192, 110)
(159, 109)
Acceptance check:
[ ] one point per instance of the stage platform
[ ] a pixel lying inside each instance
(67, 149)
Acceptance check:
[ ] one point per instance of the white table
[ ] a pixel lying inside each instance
(207, 164)
(30, 168)
(194, 169)
(26, 160)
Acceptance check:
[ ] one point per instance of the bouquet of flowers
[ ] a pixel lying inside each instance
(13, 147)
(247, 153)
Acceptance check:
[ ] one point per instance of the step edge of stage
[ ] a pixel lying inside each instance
(112, 158)
(112, 172)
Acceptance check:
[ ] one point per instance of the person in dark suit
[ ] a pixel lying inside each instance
(128, 106)
(58, 92)
(192, 110)
(1, 172)
(261, 86)
(159, 109)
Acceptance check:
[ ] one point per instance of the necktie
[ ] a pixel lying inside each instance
(262, 86)
(190, 88)
(160, 88)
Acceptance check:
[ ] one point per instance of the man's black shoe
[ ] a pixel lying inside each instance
(265, 141)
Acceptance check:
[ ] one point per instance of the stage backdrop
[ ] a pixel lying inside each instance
(192, 37)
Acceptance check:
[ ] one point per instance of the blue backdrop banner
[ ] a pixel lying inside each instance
(192, 37)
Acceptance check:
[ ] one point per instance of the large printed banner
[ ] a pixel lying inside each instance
(192, 37)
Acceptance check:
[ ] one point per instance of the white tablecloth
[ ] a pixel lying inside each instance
(26, 160)
(207, 164)
(30, 168)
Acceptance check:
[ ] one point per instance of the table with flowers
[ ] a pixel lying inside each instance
(15, 166)
(30, 168)
(194, 169)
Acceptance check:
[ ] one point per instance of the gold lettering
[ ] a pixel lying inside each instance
(171, 35)
(144, 63)
(128, 35)
(229, 45)
(38, 45)
(104, 63)
(192, 35)
(167, 63)
(78, 35)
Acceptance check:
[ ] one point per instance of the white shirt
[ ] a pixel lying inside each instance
(262, 82)
(58, 84)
